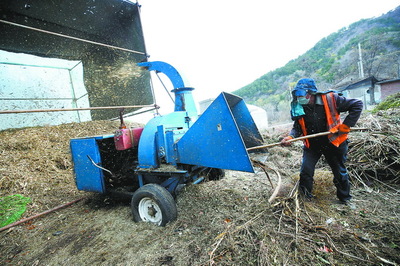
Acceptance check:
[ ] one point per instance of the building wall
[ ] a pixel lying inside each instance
(389, 88)
(360, 94)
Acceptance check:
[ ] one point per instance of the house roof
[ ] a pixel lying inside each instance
(388, 81)
(370, 81)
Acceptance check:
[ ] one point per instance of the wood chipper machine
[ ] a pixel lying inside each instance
(152, 163)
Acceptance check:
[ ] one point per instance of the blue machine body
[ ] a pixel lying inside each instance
(167, 69)
(157, 134)
(218, 139)
(85, 153)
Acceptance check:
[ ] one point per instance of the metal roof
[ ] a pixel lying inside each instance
(388, 81)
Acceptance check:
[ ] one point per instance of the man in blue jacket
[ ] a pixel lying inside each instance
(314, 112)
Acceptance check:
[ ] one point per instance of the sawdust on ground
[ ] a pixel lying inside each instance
(225, 222)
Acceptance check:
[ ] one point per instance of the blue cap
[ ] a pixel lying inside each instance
(298, 93)
(303, 86)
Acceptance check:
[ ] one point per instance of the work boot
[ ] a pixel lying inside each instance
(306, 194)
(349, 203)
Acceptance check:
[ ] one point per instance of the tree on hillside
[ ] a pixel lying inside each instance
(372, 52)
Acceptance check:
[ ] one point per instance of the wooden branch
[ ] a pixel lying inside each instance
(292, 140)
(278, 187)
(297, 139)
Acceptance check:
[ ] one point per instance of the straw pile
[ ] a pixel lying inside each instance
(375, 153)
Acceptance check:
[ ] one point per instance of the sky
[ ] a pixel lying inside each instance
(223, 45)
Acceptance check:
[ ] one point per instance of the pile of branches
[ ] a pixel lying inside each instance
(374, 154)
(329, 242)
(292, 230)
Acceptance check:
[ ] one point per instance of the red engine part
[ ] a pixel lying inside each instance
(126, 138)
(136, 133)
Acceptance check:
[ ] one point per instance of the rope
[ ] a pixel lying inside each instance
(156, 107)
(165, 88)
(70, 37)
(154, 95)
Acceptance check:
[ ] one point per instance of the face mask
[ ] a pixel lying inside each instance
(303, 100)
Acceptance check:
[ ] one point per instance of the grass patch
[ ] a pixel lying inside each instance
(11, 208)
(392, 101)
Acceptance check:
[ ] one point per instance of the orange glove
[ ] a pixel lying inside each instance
(340, 129)
(284, 141)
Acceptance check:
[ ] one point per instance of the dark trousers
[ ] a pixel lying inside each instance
(336, 158)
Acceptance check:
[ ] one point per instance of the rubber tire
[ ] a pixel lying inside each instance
(158, 197)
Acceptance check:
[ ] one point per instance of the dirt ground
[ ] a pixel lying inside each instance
(224, 222)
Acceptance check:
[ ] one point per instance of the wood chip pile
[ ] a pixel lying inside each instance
(36, 162)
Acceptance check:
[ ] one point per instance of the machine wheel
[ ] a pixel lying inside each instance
(153, 203)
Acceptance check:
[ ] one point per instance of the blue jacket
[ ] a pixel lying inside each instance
(315, 117)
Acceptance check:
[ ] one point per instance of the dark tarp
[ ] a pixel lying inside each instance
(110, 75)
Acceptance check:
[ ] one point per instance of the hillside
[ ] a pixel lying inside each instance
(333, 63)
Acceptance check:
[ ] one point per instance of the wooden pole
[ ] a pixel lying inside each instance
(292, 140)
(74, 109)
(296, 139)
(40, 214)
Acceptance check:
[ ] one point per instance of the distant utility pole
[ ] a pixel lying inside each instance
(360, 62)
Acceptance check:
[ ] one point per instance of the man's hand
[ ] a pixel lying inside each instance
(284, 141)
(340, 129)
